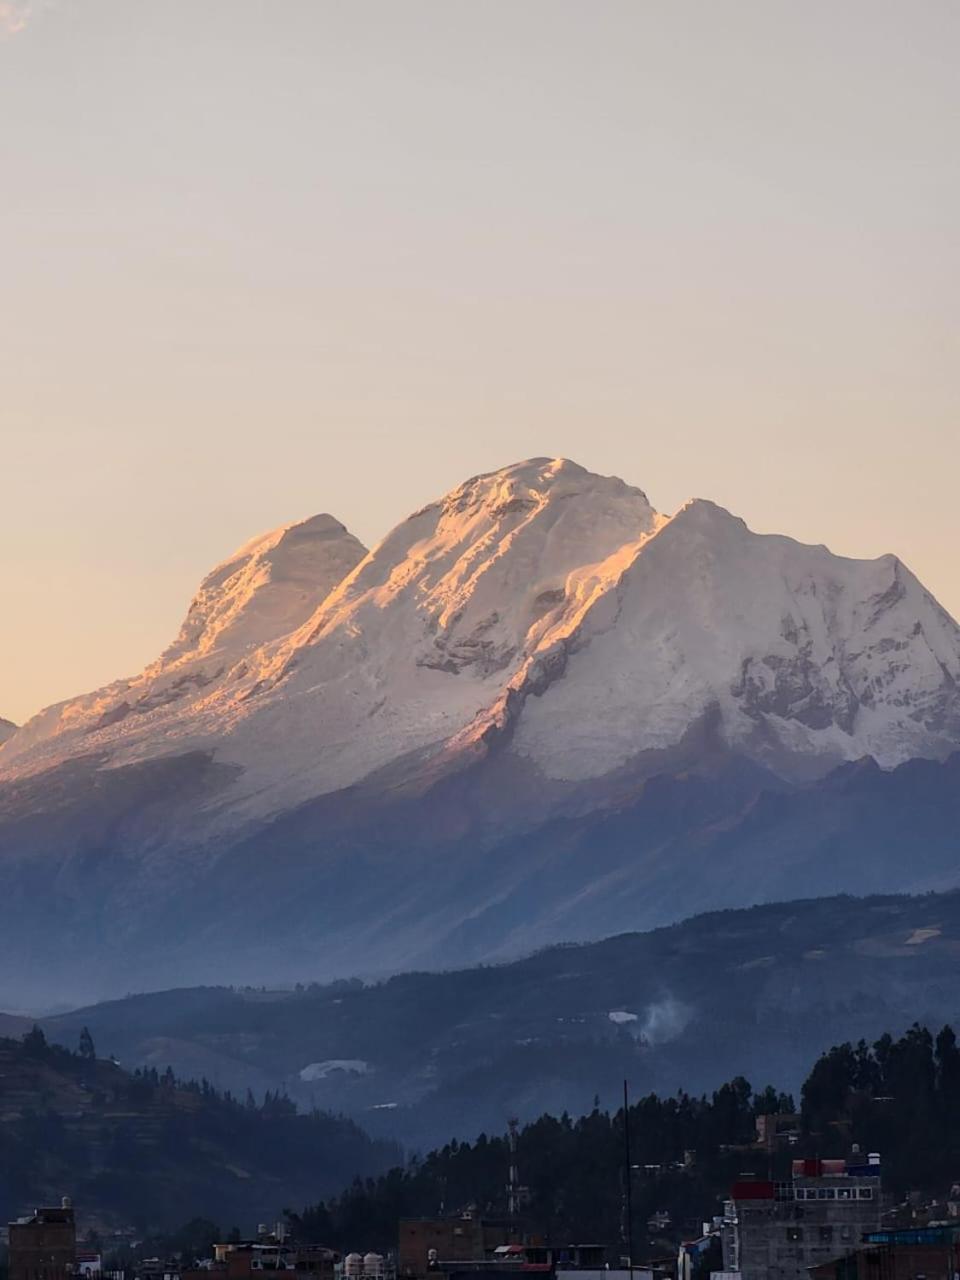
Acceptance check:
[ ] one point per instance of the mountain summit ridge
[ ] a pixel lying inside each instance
(542, 599)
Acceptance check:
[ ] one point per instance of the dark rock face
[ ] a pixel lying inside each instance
(797, 692)
(454, 651)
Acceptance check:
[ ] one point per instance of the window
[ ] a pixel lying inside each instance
(866, 1193)
(826, 1235)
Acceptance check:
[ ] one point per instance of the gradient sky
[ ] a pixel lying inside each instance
(263, 258)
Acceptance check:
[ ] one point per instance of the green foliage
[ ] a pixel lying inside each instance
(572, 1167)
(143, 1148)
(35, 1043)
(898, 1097)
(901, 1097)
(147, 1149)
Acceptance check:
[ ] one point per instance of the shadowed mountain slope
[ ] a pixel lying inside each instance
(423, 1056)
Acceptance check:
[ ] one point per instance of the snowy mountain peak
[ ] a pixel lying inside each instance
(487, 556)
(262, 592)
(535, 478)
(531, 485)
(539, 610)
(805, 658)
(474, 574)
(266, 589)
(706, 514)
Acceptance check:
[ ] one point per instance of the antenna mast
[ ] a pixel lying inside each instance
(513, 1178)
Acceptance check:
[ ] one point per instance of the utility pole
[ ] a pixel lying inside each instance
(627, 1182)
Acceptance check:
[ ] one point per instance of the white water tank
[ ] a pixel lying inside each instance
(353, 1265)
(373, 1264)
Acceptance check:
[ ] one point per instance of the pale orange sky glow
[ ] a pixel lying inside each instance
(261, 261)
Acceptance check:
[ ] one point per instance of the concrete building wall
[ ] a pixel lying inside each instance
(804, 1224)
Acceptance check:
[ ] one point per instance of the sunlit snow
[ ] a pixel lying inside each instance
(540, 606)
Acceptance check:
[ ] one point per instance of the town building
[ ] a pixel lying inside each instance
(932, 1253)
(467, 1246)
(779, 1230)
(460, 1238)
(776, 1130)
(43, 1245)
(271, 1251)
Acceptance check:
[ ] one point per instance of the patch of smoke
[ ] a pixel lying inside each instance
(664, 1020)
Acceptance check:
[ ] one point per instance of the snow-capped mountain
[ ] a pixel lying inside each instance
(533, 648)
(265, 590)
(542, 604)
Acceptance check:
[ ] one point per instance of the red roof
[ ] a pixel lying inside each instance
(753, 1190)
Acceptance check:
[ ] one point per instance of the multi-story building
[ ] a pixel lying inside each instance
(43, 1245)
(271, 1252)
(461, 1238)
(930, 1252)
(781, 1229)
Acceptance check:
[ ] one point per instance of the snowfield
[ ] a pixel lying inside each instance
(539, 609)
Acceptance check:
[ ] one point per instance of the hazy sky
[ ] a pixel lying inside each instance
(263, 258)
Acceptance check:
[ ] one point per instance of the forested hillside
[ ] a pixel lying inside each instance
(146, 1150)
(900, 1097)
(424, 1057)
(143, 1149)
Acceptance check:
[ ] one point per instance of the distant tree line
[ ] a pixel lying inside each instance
(899, 1097)
(147, 1139)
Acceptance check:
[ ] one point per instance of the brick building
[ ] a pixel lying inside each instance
(464, 1238)
(43, 1246)
(932, 1253)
